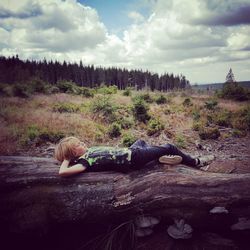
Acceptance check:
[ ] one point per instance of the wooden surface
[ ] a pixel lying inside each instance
(33, 195)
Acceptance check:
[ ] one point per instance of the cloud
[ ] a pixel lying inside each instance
(233, 17)
(136, 16)
(190, 37)
(28, 10)
(61, 26)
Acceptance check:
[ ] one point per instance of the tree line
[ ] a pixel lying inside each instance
(13, 70)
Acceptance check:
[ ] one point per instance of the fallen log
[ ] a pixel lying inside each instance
(33, 196)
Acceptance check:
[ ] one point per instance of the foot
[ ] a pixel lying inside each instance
(170, 159)
(205, 161)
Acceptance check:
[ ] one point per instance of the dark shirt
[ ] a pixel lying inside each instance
(106, 158)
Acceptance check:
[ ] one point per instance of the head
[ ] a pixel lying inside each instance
(69, 148)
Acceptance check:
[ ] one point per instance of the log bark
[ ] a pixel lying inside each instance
(33, 195)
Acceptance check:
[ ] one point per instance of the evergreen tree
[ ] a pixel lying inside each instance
(230, 77)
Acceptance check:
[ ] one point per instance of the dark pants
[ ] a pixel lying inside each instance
(143, 153)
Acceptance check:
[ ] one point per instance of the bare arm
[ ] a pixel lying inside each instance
(65, 170)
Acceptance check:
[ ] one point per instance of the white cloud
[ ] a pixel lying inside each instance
(61, 26)
(170, 40)
(136, 16)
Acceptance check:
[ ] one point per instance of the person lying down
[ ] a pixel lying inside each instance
(75, 157)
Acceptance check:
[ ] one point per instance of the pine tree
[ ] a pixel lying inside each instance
(230, 77)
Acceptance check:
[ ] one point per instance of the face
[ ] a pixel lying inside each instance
(80, 149)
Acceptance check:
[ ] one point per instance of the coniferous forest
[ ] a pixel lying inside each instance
(13, 70)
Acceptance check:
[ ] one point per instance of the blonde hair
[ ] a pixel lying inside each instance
(65, 148)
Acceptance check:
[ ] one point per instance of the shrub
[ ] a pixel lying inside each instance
(140, 110)
(66, 107)
(128, 139)
(6, 90)
(40, 135)
(51, 136)
(22, 90)
(32, 132)
(209, 133)
(53, 90)
(238, 133)
(234, 91)
(127, 92)
(196, 115)
(68, 87)
(211, 104)
(86, 92)
(126, 122)
(222, 118)
(180, 141)
(114, 130)
(198, 125)
(154, 126)
(241, 119)
(39, 85)
(187, 102)
(107, 90)
(103, 105)
(146, 97)
(161, 99)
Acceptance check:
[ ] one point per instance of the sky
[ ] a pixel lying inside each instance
(200, 39)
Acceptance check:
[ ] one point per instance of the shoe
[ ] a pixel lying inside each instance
(205, 161)
(170, 159)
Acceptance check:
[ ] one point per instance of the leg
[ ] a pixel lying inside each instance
(142, 156)
(139, 144)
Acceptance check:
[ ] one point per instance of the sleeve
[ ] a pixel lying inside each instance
(84, 162)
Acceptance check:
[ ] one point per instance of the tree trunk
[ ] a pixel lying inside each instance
(32, 195)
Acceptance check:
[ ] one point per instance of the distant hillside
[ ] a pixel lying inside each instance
(214, 86)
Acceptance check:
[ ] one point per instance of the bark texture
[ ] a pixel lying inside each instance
(32, 195)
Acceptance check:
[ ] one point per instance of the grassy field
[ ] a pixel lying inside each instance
(118, 118)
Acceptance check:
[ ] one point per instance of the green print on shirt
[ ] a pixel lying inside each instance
(104, 155)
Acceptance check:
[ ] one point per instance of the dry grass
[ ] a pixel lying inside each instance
(17, 115)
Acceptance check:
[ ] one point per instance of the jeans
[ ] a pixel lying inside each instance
(143, 153)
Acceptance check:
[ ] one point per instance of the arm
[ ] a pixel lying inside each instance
(65, 170)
